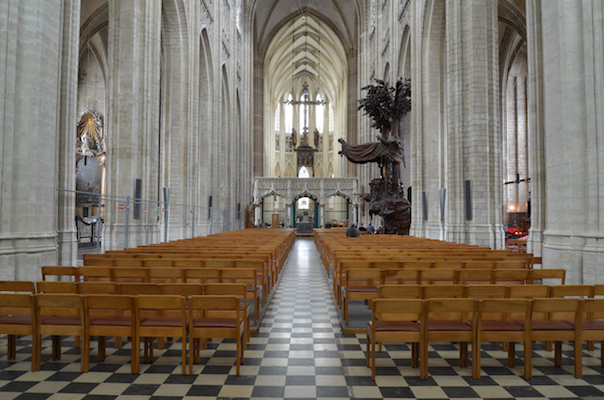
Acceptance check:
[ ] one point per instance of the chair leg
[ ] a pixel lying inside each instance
(373, 360)
(476, 361)
(368, 352)
(463, 354)
(511, 354)
(578, 359)
(102, 341)
(11, 352)
(558, 354)
(528, 359)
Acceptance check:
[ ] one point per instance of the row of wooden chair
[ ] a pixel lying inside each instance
(265, 274)
(360, 282)
(247, 276)
(148, 316)
(475, 321)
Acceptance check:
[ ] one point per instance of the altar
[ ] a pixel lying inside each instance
(305, 227)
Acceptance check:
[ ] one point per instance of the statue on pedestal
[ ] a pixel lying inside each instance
(385, 106)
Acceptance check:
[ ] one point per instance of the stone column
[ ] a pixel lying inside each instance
(66, 230)
(133, 111)
(288, 216)
(473, 123)
(573, 100)
(36, 71)
(258, 215)
(535, 126)
(321, 215)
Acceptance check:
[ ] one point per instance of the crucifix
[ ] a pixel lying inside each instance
(88, 103)
(305, 102)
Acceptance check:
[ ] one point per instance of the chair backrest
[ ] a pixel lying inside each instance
(226, 289)
(417, 264)
(392, 310)
(547, 274)
(443, 291)
(438, 276)
(239, 275)
(56, 287)
(511, 264)
(363, 277)
(454, 309)
(17, 304)
(528, 291)
(166, 275)
(475, 276)
(401, 276)
(59, 304)
(159, 303)
(219, 263)
(479, 264)
(199, 305)
(571, 291)
(503, 309)
(17, 286)
(107, 305)
(59, 272)
(97, 287)
(203, 275)
(511, 276)
(183, 289)
(400, 291)
(138, 288)
(485, 291)
(557, 308)
(95, 273)
(130, 274)
(158, 263)
(187, 263)
(129, 262)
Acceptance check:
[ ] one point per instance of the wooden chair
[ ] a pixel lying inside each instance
(59, 315)
(557, 330)
(109, 315)
(130, 274)
(201, 326)
(360, 284)
(95, 274)
(339, 276)
(97, 288)
(18, 286)
(232, 289)
(541, 274)
(152, 323)
(56, 287)
(248, 277)
(17, 317)
(502, 330)
(387, 325)
(166, 275)
(592, 328)
(450, 326)
(59, 272)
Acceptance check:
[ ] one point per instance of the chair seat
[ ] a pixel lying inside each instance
(547, 325)
(363, 289)
(120, 320)
(215, 323)
(394, 326)
(595, 325)
(444, 325)
(162, 322)
(62, 320)
(17, 319)
(500, 326)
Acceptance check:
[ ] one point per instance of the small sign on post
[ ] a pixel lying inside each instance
(121, 206)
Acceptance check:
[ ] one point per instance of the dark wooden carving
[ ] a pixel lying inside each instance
(385, 106)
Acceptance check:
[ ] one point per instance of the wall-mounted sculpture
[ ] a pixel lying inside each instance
(385, 106)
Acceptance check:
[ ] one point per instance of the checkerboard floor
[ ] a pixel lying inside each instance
(299, 353)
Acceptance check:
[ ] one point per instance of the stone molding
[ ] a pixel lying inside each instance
(319, 189)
